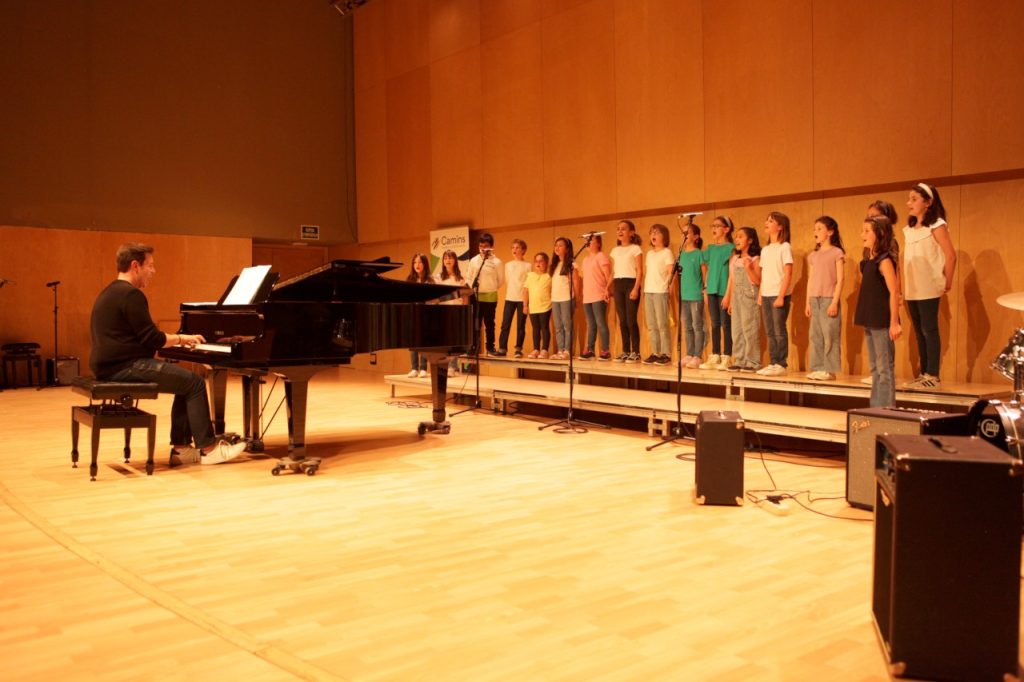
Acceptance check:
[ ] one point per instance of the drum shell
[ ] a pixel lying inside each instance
(1000, 423)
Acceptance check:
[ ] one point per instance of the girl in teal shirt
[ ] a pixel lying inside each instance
(717, 257)
(692, 268)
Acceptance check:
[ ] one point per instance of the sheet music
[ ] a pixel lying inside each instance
(247, 285)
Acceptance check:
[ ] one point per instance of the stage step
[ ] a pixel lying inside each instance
(659, 408)
(956, 396)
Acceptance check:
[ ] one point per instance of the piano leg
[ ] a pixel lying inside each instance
(217, 384)
(251, 383)
(439, 393)
(296, 389)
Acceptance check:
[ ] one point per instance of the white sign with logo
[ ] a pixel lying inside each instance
(448, 239)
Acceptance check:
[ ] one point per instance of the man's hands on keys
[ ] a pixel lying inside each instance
(190, 340)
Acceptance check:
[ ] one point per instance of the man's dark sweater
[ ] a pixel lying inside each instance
(122, 329)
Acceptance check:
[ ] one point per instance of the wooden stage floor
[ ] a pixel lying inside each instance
(497, 552)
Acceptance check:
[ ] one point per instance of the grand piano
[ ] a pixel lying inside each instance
(321, 318)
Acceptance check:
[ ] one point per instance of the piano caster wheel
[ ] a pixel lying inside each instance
(434, 427)
(308, 466)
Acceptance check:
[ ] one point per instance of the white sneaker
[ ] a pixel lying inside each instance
(423, 374)
(412, 373)
(726, 363)
(223, 451)
(772, 371)
(712, 362)
(765, 371)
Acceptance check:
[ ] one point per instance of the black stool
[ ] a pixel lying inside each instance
(21, 352)
(117, 409)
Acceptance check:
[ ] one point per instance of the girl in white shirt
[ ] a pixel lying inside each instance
(776, 288)
(627, 274)
(658, 265)
(928, 265)
(563, 293)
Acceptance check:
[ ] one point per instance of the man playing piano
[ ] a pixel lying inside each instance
(124, 341)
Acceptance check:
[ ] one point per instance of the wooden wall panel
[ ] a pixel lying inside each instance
(881, 105)
(989, 266)
(659, 112)
(579, 111)
(287, 260)
(758, 98)
(498, 17)
(552, 7)
(456, 144)
(408, 138)
(408, 35)
(454, 26)
(370, 40)
(372, 163)
(513, 142)
(988, 85)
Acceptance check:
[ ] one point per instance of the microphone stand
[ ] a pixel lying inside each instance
(676, 432)
(570, 425)
(53, 379)
(476, 335)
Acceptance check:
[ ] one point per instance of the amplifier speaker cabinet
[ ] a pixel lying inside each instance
(864, 425)
(946, 589)
(719, 471)
(67, 369)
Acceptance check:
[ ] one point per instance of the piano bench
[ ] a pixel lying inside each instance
(112, 405)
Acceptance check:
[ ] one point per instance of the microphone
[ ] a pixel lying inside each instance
(690, 215)
(53, 283)
(591, 235)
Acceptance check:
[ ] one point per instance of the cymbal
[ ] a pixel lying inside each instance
(1014, 301)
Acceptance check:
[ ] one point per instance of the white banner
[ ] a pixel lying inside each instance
(448, 239)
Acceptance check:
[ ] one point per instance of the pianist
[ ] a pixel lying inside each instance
(124, 341)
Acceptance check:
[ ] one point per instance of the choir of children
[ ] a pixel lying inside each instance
(744, 286)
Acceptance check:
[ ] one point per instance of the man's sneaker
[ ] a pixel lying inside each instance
(622, 357)
(586, 355)
(412, 373)
(223, 451)
(913, 383)
(650, 359)
(765, 371)
(604, 356)
(726, 362)
(821, 375)
(184, 456)
(663, 360)
(712, 362)
(496, 353)
(774, 371)
(633, 357)
(518, 354)
(423, 374)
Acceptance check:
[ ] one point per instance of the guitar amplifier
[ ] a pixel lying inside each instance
(719, 470)
(947, 551)
(864, 425)
(67, 369)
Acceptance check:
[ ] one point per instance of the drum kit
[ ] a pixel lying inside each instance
(1001, 422)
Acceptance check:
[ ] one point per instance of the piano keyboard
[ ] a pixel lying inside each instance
(214, 348)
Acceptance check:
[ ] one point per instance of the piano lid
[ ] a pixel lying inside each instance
(357, 281)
